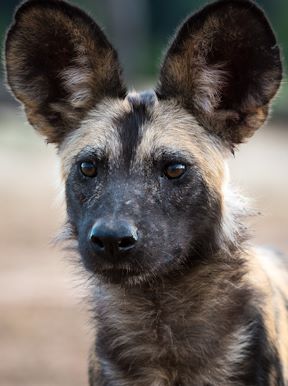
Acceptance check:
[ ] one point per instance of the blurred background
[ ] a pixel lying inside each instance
(44, 329)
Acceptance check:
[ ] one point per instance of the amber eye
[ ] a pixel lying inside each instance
(88, 168)
(175, 170)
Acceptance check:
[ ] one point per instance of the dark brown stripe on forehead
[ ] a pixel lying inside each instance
(130, 124)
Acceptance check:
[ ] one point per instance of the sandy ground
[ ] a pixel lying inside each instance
(44, 329)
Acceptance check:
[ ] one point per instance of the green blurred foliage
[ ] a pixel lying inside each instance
(141, 29)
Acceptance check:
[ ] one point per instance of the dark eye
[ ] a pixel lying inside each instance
(88, 168)
(175, 170)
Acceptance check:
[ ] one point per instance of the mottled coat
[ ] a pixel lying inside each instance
(182, 299)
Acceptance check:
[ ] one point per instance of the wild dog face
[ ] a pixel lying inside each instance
(143, 176)
(144, 173)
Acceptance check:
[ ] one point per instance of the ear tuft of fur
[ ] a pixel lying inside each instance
(224, 66)
(59, 65)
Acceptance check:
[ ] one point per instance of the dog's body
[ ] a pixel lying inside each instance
(216, 328)
(180, 297)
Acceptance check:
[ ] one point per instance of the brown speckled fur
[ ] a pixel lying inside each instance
(61, 69)
(212, 59)
(215, 314)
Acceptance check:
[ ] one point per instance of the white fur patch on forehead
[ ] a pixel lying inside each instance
(97, 131)
(147, 98)
(173, 128)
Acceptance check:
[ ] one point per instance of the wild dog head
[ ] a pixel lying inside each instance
(145, 173)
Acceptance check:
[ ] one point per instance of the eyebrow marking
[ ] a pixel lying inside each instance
(91, 152)
(163, 152)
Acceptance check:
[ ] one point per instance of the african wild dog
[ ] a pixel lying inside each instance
(180, 297)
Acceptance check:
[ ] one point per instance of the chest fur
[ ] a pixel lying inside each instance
(172, 338)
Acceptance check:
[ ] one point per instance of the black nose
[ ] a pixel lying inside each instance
(113, 238)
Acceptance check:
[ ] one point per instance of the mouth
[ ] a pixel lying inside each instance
(114, 274)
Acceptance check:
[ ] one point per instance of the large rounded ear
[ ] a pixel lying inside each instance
(59, 65)
(224, 66)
